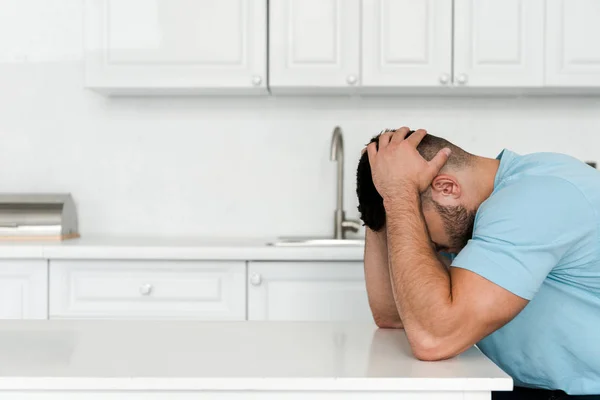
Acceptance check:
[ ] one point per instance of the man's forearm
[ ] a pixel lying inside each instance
(421, 283)
(377, 276)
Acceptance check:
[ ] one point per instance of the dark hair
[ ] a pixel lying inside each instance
(370, 203)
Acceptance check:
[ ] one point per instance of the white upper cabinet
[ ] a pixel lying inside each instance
(182, 46)
(406, 43)
(573, 43)
(314, 44)
(499, 43)
(307, 291)
(338, 46)
(23, 289)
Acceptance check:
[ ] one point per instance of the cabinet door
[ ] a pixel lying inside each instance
(23, 289)
(573, 43)
(499, 43)
(406, 43)
(307, 291)
(106, 289)
(177, 46)
(314, 44)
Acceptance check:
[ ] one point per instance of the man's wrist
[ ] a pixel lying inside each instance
(402, 200)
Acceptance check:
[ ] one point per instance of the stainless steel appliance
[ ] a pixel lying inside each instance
(37, 217)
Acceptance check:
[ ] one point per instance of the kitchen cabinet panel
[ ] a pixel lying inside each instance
(314, 44)
(573, 43)
(307, 291)
(202, 290)
(499, 43)
(176, 46)
(406, 43)
(23, 289)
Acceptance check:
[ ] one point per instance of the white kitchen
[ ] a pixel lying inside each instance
(178, 183)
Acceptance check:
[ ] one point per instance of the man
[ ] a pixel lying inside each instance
(525, 283)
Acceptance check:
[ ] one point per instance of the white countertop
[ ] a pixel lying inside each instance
(141, 248)
(188, 355)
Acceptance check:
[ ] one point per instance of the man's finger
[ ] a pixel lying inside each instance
(416, 137)
(384, 139)
(372, 151)
(438, 162)
(400, 134)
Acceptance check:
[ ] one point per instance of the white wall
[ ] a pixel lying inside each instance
(220, 166)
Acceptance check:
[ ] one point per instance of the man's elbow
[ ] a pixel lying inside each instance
(433, 349)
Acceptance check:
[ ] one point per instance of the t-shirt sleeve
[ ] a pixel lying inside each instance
(524, 230)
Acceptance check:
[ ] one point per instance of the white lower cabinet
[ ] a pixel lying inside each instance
(23, 289)
(104, 289)
(307, 291)
(201, 290)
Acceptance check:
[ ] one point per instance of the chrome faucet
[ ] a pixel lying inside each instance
(341, 224)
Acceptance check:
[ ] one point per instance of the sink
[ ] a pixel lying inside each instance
(316, 242)
(340, 223)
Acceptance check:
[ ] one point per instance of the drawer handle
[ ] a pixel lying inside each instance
(146, 290)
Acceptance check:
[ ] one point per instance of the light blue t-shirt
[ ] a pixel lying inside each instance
(538, 236)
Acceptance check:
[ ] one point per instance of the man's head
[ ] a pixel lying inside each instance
(448, 210)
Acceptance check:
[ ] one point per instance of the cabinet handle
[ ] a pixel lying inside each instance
(444, 79)
(256, 80)
(462, 79)
(146, 289)
(256, 279)
(351, 79)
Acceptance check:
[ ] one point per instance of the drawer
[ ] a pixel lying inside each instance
(307, 291)
(148, 289)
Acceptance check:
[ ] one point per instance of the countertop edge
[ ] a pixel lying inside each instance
(256, 384)
(108, 248)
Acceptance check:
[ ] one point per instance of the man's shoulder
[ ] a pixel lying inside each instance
(542, 164)
(543, 176)
(529, 199)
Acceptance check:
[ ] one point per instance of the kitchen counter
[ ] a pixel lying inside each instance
(231, 360)
(141, 248)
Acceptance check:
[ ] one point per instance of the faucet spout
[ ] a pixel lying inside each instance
(337, 155)
(337, 144)
(341, 224)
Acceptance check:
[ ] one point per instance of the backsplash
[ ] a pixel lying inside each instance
(226, 166)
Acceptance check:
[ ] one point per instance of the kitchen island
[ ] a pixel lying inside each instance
(184, 360)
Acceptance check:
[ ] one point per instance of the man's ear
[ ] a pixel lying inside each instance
(445, 187)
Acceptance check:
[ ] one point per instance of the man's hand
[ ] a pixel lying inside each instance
(397, 167)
